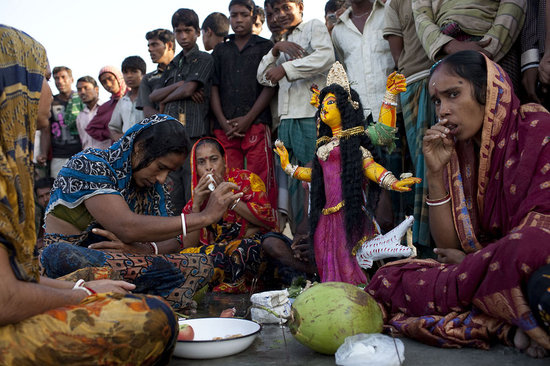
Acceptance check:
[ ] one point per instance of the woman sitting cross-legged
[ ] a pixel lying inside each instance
(118, 193)
(488, 173)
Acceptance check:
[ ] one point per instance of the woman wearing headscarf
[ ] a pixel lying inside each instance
(234, 241)
(121, 189)
(45, 321)
(487, 164)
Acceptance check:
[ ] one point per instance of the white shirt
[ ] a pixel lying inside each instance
(294, 88)
(125, 115)
(366, 57)
(82, 121)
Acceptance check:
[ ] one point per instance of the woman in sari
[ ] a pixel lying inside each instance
(121, 190)
(233, 242)
(487, 164)
(46, 321)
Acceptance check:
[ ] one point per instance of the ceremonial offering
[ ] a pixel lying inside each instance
(217, 337)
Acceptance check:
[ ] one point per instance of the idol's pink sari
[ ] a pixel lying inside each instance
(501, 210)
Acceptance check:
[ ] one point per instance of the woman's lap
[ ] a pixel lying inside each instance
(488, 283)
(175, 277)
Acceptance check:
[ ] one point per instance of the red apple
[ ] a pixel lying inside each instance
(186, 333)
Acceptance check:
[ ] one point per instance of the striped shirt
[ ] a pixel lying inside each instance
(498, 21)
(194, 66)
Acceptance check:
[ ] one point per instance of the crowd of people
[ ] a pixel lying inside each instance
(259, 160)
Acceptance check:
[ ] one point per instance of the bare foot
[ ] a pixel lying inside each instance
(531, 348)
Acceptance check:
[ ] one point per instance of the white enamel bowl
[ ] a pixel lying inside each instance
(204, 346)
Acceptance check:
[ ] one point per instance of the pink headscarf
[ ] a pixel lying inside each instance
(118, 75)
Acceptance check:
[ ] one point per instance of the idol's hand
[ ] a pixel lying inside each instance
(396, 83)
(438, 144)
(314, 101)
(404, 185)
(280, 150)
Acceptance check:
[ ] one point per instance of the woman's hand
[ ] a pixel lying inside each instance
(396, 83)
(114, 244)
(281, 150)
(449, 255)
(404, 185)
(437, 147)
(201, 192)
(102, 286)
(219, 200)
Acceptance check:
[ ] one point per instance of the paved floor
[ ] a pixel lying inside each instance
(277, 346)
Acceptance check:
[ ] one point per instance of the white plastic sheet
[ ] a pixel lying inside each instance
(370, 349)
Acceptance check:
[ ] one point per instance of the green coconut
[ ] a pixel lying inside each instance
(324, 315)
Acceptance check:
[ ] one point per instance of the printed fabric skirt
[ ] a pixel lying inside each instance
(174, 277)
(103, 329)
(236, 263)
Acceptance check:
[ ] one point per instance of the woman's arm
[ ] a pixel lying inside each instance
(113, 213)
(20, 300)
(437, 148)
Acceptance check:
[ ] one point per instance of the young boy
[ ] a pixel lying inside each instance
(126, 114)
(185, 95)
(302, 60)
(240, 104)
(215, 28)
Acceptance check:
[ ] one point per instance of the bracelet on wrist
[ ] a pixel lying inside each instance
(154, 246)
(79, 285)
(183, 226)
(439, 201)
(235, 203)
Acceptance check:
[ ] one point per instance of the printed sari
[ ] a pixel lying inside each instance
(175, 277)
(501, 212)
(236, 257)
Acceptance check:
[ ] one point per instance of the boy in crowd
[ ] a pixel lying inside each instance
(88, 91)
(258, 21)
(126, 114)
(185, 95)
(161, 45)
(240, 104)
(62, 137)
(301, 60)
(215, 28)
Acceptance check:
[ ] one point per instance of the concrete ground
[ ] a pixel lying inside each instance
(276, 346)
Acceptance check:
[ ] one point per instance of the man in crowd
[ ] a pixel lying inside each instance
(88, 91)
(62, 139)
(161, 45)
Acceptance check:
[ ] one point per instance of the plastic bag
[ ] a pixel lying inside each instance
(277, 303)
(370, 349)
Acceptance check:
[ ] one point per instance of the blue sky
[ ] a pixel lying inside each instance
(87, 35)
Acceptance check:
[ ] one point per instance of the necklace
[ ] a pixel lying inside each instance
(361, 15)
